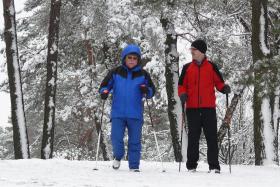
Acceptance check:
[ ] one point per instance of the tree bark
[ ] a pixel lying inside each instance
(90, 55)
(264, 91)
(172, 75)
(20, 137)
(49, 116)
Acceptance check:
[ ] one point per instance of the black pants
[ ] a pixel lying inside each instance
(203, 118)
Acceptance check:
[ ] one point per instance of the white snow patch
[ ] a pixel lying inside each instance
(47, 150)
(5, 109)
(264, 48)
(276, 114)
(53, 48)
(51, 82)
(65, 113)
(268, 134)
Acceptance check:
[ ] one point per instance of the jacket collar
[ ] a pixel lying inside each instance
(136, 68)
(201, 64)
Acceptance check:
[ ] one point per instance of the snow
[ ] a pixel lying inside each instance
(276, 114)
(61, 173)
(267, 131)
(5, 111)
(65, 113)
(53, 49)
(263, 46)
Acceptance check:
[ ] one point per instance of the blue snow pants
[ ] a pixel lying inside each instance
(134, 127)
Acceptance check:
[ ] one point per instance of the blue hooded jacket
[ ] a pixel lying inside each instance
(124, 83)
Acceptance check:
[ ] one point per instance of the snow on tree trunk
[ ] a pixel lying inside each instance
(49, 116)
(276, 123)
(172, 77)
(264, 91)
(20, 137)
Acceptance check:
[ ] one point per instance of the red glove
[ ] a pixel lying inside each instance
(104, 94)
(144, 89)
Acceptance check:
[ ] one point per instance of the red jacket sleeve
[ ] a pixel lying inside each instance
(182, 84)
(218, 78)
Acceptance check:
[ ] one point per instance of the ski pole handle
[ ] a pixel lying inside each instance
(227, 100)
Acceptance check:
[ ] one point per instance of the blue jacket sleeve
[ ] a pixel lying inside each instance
(151, 87)
(108, 82)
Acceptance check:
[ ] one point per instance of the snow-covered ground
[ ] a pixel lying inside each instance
(66, 173)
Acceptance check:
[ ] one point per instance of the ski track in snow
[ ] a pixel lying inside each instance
(58, 172)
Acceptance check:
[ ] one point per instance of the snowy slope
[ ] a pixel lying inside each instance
(66, 173)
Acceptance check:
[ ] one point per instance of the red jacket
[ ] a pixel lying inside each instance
(198, 83)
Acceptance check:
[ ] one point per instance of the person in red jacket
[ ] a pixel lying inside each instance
(196, 89)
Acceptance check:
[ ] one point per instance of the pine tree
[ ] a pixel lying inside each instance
(265, 75)
(20, 137)
(49, 118)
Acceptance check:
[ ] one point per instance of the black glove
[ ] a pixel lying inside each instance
(183, 98)
(144, 89)
(104, 94)
(226, 89)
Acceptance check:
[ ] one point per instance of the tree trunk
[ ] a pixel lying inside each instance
(90, 55)
(264, 91)
(172, 76)
(49, 117)
(20, 137)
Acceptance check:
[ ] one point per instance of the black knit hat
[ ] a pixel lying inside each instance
(200, 45)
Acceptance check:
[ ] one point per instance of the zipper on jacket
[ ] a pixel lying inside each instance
(198, 99)
(129, 78)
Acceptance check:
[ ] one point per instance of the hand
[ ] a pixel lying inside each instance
(144, 89)
(183, 98)
(104, 94)
(226, 89)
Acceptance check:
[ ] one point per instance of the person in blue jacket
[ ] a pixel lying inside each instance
(128, 83)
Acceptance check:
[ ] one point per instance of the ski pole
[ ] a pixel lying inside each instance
(181, 139)
(155, 136)
(229, 135)
(99, 135)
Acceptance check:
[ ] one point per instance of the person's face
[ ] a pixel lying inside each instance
(196, 54)
(131, 61)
